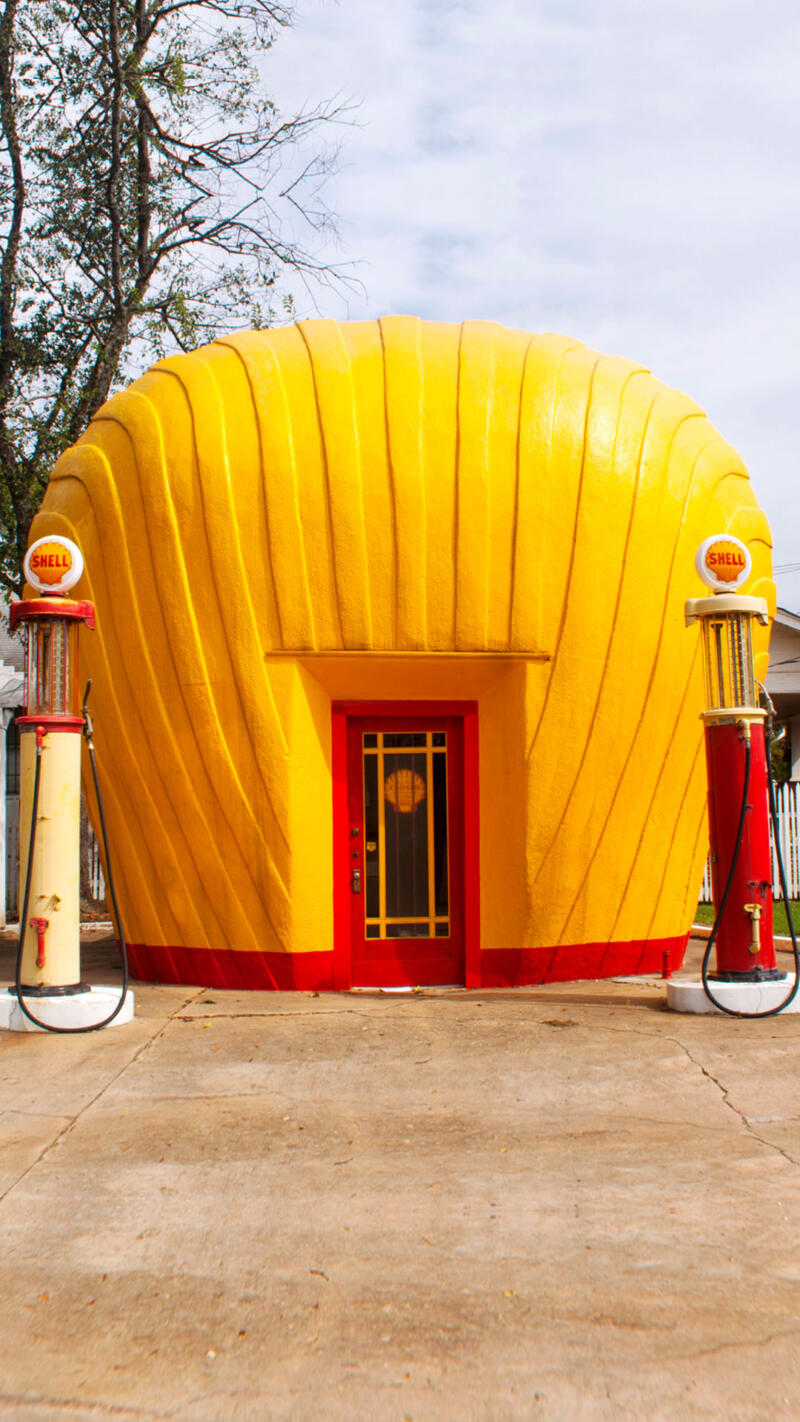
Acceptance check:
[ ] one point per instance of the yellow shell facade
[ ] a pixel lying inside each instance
(294, 524)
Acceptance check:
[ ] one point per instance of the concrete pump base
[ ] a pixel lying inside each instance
(688, 995)
(83, 1009)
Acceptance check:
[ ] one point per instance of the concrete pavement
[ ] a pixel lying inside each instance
(558, 1203)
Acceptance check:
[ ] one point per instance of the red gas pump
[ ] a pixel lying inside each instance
(746, 980)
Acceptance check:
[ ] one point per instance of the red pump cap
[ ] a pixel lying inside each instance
(50, 607)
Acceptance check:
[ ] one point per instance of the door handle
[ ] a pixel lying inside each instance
(355, 881)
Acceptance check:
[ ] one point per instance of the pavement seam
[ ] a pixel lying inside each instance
(726, 1101)
(72, 1121)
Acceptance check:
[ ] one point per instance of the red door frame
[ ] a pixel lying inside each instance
(405, 962)
(467, 713)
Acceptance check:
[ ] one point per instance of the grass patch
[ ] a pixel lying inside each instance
(705, 914)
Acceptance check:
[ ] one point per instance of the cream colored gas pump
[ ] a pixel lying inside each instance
(48, 992)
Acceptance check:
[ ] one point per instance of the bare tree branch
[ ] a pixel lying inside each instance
(150, 195)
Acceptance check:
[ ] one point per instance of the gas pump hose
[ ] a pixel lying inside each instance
(94, 1026)
(781, 1007)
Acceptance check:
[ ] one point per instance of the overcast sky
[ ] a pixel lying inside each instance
(623, 171)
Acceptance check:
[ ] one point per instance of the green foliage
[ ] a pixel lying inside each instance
(705, 914)
(149, 196)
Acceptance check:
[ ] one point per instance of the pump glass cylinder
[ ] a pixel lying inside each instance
(51, 666)
(728, 659)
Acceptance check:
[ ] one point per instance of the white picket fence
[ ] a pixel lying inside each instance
(787, 804)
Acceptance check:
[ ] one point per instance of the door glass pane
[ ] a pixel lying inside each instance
(405, 791)
(440, 831)
(371, 884)
(405, 834)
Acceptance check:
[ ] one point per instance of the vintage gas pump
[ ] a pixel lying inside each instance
(49, 992)
(746, 979)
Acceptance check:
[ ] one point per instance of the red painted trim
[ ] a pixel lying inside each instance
(50, 607)
(412, 709)
(51, 723)
(314, 972)
(472, 866)
(518, 967)
(402, 962)
(341, 836)
(341, 711)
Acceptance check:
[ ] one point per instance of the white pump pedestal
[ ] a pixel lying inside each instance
(688, 995)
(80, 1009)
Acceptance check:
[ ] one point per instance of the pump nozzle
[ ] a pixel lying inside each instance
(772, 735)
(88, 728)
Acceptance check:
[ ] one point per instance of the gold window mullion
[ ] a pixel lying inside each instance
(429, 812)
(447, 835)
(381, 841)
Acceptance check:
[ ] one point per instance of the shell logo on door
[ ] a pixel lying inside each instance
(404, 789)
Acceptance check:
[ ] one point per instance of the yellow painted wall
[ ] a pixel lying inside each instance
(252, 510)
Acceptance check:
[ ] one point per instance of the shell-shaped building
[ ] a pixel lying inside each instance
(391, 679)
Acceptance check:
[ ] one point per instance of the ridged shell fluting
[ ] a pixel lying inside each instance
(409, 487)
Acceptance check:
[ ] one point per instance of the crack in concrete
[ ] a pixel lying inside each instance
(183, 1016)
(388, 1012)
(75, 1404)
(738, 1343)
(72, 1121)
(726, 1101)
(35, 1115)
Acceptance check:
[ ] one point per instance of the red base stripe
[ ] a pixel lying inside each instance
(313, 972)
(223, 968)
(519, 967)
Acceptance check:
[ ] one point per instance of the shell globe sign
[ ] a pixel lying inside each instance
(723, 562)
(392, 685)
(53, 564)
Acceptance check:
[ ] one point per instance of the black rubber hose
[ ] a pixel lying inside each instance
(105, 1021)
(781, 1007)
